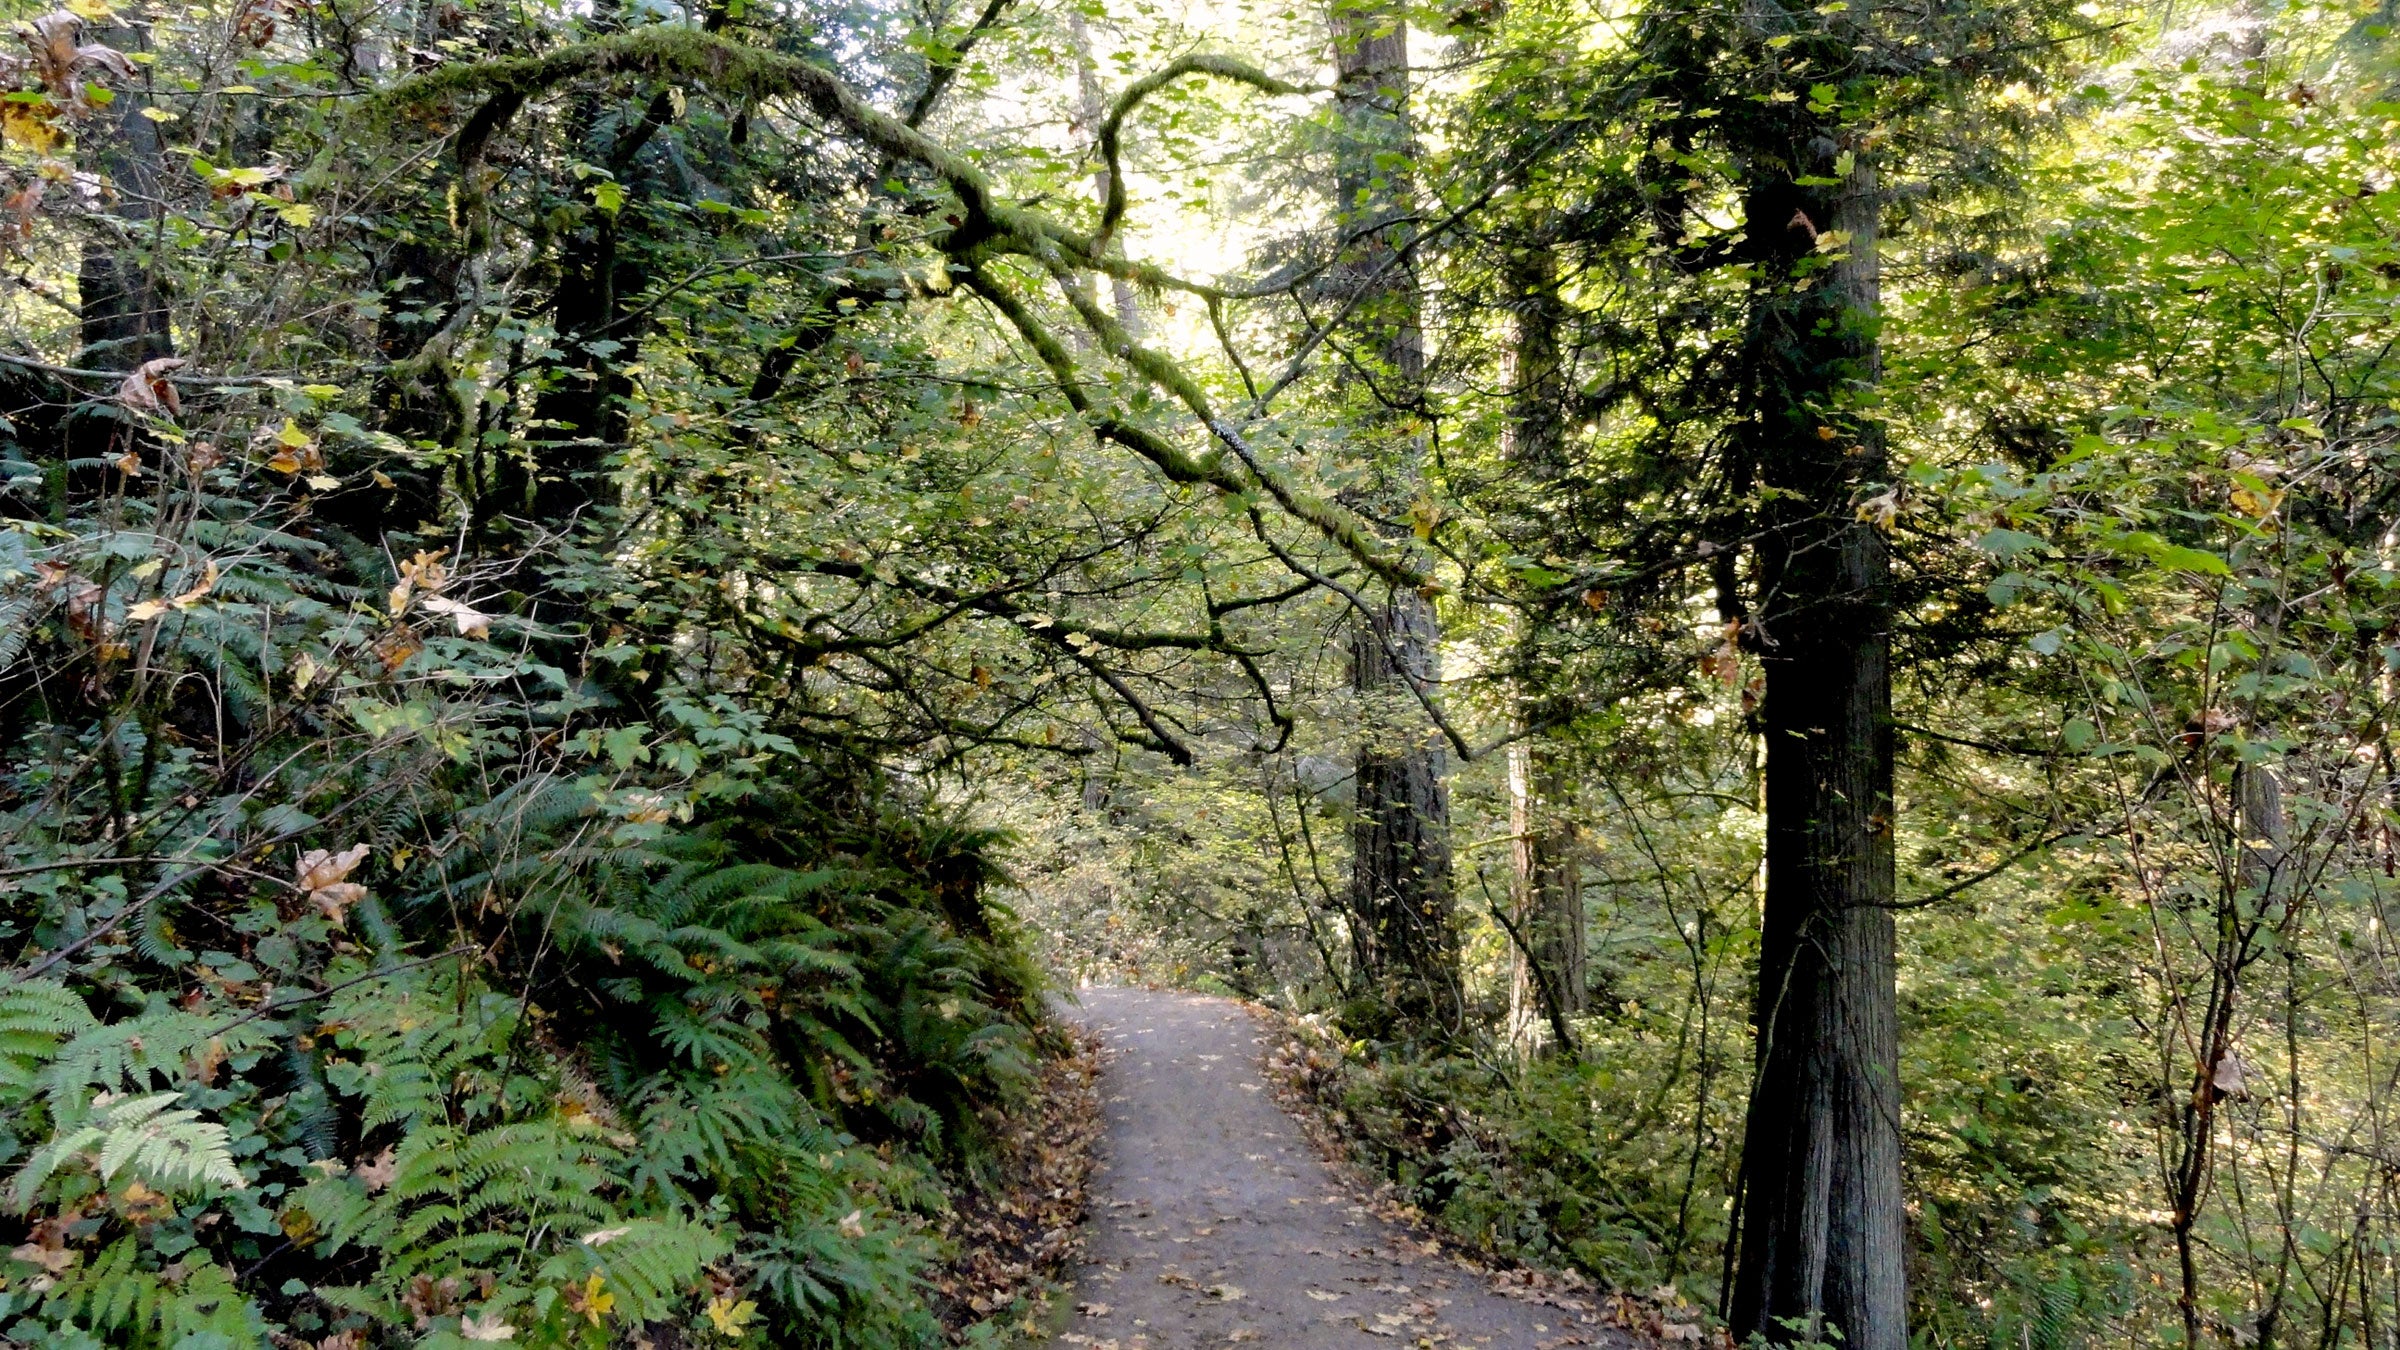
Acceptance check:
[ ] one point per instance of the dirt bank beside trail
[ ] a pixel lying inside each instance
(1213, 1222)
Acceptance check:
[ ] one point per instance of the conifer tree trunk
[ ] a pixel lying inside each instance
(1546, 891)
(1821, 1221)
(1402, 927)
(1546, 895)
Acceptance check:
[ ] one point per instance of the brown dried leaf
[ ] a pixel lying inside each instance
(323, 876)
(149, 390)
(377, 1174)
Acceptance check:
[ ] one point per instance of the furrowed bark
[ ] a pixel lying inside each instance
(1545, 884)
(1822, 1229)
(1403, 931)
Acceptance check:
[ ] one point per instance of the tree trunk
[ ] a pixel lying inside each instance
(1545, 898)
(1545, 885)
(1403, 930)
(1821, 1240)
(123, 314)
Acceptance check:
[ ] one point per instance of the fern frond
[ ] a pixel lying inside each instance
(171, 1148)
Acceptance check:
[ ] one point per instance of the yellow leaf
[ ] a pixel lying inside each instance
(29, 125)
(90, 11)
(284, 462)
(323, 482)
(159, 115)
(298, 215)
(730, 1317)
(1423, 515)
(291, 435)
(2253, 504)
(596, 1303)
(208, 582)
(145, 611)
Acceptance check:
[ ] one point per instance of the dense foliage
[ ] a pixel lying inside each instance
(557, 561)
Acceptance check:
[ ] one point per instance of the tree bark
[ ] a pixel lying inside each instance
(123, 313)
(1822, 1232)
(1402, 928)
(1403, 933)
(1545, 891)
(1546, 897)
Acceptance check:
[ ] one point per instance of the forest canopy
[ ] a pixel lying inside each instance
(1771, 627)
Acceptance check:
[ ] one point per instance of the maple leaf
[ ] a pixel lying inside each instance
(427, 1298)
(424, 572)
(22, 204)
(470, 621)
(60, 58)
(593, 1300)
(30, 125)
(730, 1317)
(54, 1257)
(151, 609)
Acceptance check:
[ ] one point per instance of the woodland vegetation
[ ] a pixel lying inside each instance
(1777, 624)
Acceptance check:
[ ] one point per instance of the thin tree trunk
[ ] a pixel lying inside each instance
(1403, 929)
(1546, 897)
(1822, 1229)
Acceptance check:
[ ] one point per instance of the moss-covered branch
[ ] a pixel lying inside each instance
(1112, 131)
(988, 226)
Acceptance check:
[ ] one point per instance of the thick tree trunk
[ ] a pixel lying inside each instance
(1403, 930)
(1822, 1232)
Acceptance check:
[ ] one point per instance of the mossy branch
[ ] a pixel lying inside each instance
(988, 226)
(1112, 131)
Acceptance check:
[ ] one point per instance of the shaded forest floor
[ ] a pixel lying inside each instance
(1013, 1240)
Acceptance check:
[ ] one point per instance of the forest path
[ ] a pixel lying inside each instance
(1213, 1222)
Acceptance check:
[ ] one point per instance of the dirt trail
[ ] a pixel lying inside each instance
(1214, 1223)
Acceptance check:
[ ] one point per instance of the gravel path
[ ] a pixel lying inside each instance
(1214, 1223)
